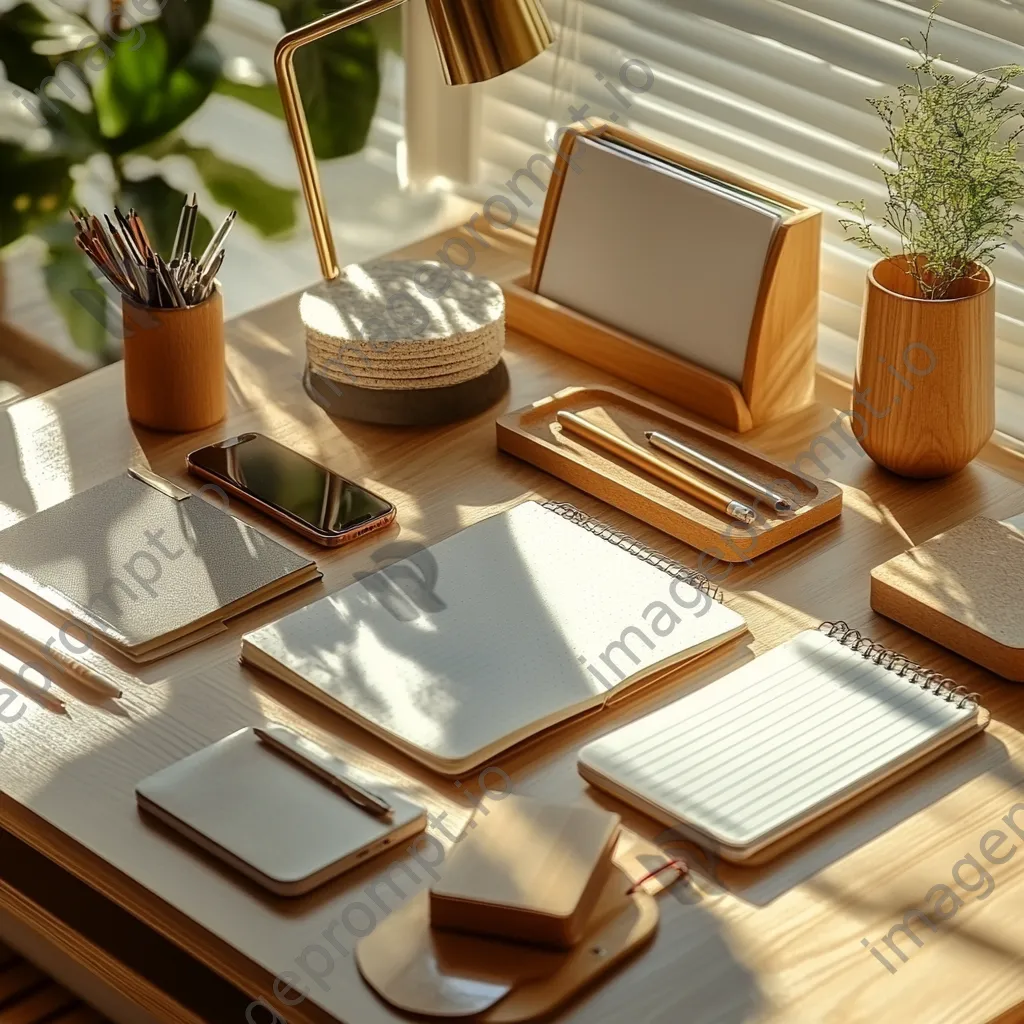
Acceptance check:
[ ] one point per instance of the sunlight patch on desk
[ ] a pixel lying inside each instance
(42, 451)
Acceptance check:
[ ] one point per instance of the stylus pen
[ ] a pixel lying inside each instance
(714, 468)
(323, 765)
(678, 478)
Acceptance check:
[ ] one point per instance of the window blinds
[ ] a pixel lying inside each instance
(776, 89)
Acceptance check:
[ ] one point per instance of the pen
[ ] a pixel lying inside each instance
(323, 765)
(711, 466)
(13, 671)
(678, 478)
(215, 243)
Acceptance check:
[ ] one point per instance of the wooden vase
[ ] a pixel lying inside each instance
(924, 393)
(174, 372)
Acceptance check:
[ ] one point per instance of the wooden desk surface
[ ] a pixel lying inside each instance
(783, 943)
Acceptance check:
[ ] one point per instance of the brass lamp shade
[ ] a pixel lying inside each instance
(481, 39)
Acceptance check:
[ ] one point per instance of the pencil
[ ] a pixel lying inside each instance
(681, 480)
(15, 673)
(101, 681)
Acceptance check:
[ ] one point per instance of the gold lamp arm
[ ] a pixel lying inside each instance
(295, 116)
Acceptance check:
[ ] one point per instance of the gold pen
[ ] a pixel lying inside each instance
(689, 484)
(324, 765)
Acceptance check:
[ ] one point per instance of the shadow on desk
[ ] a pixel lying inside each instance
(762, 885)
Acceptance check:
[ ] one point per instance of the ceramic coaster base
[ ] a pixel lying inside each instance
(411, 407)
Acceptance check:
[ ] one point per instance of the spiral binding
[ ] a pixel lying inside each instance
(695, 579)
(928, 679)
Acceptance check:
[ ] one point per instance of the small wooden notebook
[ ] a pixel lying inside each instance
(963, 589)
(526, 870)
(785, 743)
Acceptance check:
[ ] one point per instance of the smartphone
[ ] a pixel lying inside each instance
(308, 498)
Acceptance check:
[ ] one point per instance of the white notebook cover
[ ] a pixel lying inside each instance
(753, 756)
(270, 818)
(532, 620)
(670, 260)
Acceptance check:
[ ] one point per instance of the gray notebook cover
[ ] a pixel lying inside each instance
(663, 255)
(137, 565)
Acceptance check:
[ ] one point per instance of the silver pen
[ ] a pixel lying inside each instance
(323, 765)
(712, 467)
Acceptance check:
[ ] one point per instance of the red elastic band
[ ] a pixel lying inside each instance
(678, 864)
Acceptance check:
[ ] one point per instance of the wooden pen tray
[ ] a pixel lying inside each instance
(534, 435)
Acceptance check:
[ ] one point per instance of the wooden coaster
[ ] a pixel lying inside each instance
(423, 970)
(420, 407)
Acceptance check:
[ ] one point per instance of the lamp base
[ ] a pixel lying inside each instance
(413, 407)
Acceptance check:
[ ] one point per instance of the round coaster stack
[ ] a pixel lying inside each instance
(404, 341)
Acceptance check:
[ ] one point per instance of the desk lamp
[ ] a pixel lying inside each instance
(477, 40)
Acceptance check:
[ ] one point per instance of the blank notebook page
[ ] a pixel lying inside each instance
(768, 747)
(511, 616)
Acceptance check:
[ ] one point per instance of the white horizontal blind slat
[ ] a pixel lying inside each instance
(776, 89)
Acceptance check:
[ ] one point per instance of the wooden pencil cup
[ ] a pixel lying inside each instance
(174, 371)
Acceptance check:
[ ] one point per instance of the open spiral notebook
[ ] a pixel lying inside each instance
(756, 760)
(515, 624)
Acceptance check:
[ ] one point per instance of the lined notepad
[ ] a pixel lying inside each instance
(757, 754)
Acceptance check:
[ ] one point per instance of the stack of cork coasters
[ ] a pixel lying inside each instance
(406, 342)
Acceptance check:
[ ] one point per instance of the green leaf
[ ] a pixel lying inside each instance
(142, 95)
(338, 78)
(268, 208)
(34, 189)
(159, 206)
(182, 23)
(388, 29)
(263, 97)
(80, 298)
(20, 28)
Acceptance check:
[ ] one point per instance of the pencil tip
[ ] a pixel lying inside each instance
(648, 433)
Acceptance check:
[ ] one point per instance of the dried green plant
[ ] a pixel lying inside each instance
(954, 179)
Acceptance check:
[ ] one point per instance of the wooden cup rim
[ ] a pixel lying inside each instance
(985, 272)
(173, 310)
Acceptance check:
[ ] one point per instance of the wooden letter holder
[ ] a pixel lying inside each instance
(778, 376)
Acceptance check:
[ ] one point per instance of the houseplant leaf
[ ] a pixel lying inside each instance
(262, 97)
(182, 22)
(20, 28)
(267, 207)
(159, 205)
(142, 95)
(338, 78)
(82, 301)
(34, 188)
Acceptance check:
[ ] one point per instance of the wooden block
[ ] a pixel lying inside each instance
(963, 589)
(534, 435)
(528, 871)
(422, 970)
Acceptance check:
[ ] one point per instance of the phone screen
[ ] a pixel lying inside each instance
(291, 483)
